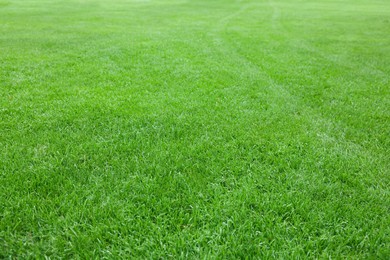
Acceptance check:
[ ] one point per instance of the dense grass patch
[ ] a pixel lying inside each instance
(174, 128)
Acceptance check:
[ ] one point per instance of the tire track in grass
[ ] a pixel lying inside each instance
(328, 133)
(328, 136)
(323, 128)
(327, 125)
(347, 84)
(276, 14)
(257, 70)
(225, 20)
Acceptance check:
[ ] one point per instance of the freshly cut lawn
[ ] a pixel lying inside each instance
(195, 129)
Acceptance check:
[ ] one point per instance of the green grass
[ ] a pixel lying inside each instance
(195, 129)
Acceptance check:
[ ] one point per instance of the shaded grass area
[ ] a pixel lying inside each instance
(208, 129)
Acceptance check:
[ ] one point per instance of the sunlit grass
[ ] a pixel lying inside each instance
(194, 129)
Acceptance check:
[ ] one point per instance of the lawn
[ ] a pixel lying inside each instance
(195, 129)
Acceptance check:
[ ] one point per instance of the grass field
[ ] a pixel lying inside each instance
(195, 129)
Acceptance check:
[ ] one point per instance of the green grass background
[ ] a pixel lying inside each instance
(194, 129)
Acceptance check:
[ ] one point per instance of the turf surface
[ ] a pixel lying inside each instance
(204, 129)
